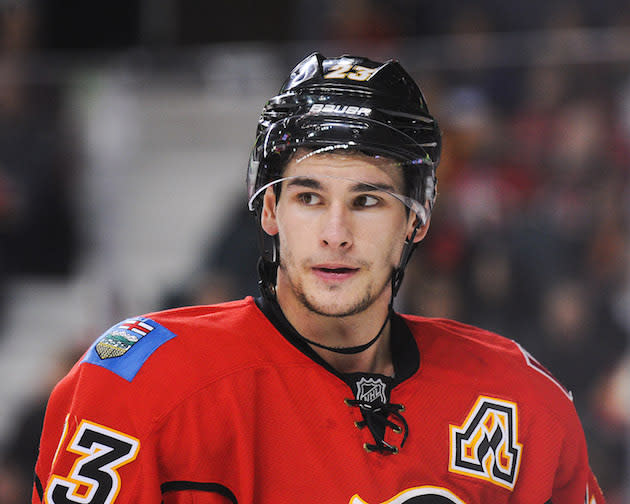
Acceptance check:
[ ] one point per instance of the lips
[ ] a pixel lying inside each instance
(334, 272)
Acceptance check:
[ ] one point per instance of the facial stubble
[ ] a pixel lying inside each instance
(359, 306)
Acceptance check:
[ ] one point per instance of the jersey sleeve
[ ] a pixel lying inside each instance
(87, 456)
(573, 480)
(97, 444)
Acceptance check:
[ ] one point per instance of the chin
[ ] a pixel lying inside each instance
(334, 308)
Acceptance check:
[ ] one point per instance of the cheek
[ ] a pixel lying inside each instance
(396, 248)
(386, 241)
(294, 235)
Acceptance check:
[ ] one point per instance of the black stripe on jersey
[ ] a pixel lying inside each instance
(179, 486)
(38, 486)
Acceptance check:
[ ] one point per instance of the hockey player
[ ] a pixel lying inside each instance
(318, 391)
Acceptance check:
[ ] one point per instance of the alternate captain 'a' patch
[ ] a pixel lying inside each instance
(125, 347)
(486, 445)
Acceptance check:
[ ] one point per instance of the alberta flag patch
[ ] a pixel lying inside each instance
(121, 338)
(124, 348)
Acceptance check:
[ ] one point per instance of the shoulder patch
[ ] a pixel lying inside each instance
(125, 347)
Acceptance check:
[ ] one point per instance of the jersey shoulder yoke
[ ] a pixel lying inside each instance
(487, 351)
(127, 346)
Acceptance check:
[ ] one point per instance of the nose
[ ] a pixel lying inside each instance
(335, 227)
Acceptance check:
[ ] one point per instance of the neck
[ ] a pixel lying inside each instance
(343, 332)
(376, 359)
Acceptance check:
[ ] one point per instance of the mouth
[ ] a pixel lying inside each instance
(334, 272)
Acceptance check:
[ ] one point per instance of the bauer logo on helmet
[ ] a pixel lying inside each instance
(331, 108)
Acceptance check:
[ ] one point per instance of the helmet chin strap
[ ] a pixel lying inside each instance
(267, 271)
(399, 272)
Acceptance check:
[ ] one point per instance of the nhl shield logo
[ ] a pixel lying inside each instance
(119, 339)
(371, 389)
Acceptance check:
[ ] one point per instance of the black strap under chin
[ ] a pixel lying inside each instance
(353, 349)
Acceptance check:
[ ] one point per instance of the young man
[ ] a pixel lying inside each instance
(318, 391)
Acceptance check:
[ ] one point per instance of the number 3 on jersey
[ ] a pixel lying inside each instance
(93, 478)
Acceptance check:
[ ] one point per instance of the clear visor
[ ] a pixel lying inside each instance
(372, 174)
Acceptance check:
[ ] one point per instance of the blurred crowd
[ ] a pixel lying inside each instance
(530, 236)
(37, 161)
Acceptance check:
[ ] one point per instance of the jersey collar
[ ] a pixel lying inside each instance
(405, 354)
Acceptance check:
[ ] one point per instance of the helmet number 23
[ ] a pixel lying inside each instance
(350, 71)
(93, 478)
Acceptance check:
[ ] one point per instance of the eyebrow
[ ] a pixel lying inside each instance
(358, 187)
(364, 186)
(304, 182)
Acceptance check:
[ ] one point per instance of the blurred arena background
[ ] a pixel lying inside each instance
(125, 129)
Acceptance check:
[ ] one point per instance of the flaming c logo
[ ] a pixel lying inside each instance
(418, 495)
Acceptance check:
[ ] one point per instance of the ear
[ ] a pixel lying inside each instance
(422, 230)
(268, 219)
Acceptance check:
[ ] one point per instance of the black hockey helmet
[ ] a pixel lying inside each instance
(347, 102)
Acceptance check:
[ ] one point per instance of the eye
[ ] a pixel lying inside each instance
(308, 198)
(366, 201)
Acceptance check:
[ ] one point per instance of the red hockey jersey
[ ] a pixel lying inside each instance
(217, 405)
